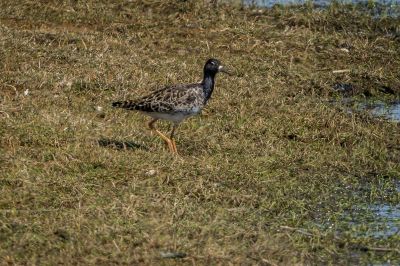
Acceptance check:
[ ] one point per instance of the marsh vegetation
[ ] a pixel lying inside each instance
(270, 173)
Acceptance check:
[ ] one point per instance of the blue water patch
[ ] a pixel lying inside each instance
(390, 217)
(378, 8)
(378, 220)
(375, 220)
(389, 111)
(271, 3)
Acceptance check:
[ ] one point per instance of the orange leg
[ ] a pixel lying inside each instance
(172, 138)
(170, 143)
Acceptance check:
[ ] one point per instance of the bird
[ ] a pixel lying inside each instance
(177, 102)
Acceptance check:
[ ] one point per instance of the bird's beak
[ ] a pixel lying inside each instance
(224, 70)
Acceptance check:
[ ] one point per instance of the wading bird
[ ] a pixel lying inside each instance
(176, 103)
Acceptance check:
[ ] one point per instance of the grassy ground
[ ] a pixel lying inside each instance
(267, 173)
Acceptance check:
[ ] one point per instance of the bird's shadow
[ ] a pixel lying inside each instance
(120, 145)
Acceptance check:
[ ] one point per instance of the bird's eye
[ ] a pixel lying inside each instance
(212, 63)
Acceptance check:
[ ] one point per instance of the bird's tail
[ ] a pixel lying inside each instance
(124, 104)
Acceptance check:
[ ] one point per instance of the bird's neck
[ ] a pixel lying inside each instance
(208, 84)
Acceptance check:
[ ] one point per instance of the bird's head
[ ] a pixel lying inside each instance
(214, 66)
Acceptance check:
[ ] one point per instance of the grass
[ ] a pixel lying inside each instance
(266, 173)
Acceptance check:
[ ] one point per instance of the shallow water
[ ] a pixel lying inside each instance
(389, 111)
(378, 8)
(375, 220)
(364, 220)
(387, 220)
(271, 3)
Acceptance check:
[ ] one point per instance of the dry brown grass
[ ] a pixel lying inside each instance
(267, 152)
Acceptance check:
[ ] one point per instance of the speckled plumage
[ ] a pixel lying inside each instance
(176, 103)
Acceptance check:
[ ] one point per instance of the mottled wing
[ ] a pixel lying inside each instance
(179, 98)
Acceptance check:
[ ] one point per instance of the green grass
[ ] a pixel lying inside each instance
(266, 173)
